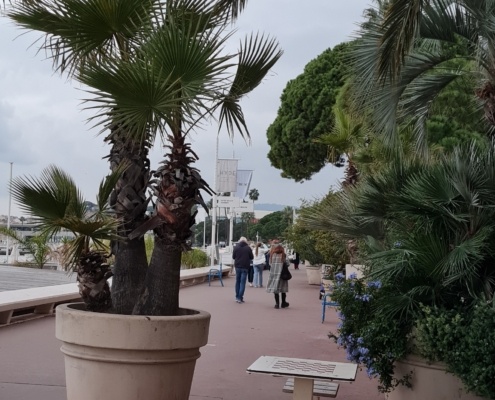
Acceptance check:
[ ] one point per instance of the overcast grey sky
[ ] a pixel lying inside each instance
(42, 120)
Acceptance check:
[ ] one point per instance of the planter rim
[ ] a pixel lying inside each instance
(417, 360)
(133, 332)
(183, 312)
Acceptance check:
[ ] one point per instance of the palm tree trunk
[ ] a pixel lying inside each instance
(177, 193)
(129, 203)
(130, 269)
(161, 289)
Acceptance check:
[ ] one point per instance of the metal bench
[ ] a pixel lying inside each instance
(327, 302)
(320, 388)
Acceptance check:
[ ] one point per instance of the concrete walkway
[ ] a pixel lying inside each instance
(31, 364)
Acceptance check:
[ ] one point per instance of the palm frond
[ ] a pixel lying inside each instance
(78, 32)
(135, 95)
(50, 198)
(107, 185)
(400, 30)
(56, 203)
(257, 56)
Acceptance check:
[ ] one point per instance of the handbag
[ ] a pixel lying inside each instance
(285, 274)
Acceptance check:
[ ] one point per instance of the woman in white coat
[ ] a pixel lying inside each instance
(259, 265)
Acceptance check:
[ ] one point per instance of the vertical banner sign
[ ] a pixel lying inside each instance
(243, 182)
(226, 175)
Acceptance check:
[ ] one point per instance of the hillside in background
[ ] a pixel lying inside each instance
(268, 207)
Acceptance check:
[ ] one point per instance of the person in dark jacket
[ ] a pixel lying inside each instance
(242, 256)
(295, 260)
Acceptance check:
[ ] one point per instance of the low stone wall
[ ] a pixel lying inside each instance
(42, 300)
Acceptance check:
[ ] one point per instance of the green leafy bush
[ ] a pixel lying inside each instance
(463, 339)
(194, 259)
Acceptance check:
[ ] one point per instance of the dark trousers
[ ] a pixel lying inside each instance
(250, 274)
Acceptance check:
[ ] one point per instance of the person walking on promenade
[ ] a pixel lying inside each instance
(242, 256)
(251, 273)
(275, 284)
(258, 264)
(295, 260)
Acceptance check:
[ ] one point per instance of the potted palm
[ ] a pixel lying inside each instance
(429, 286)
(154, 69)
(161, 353)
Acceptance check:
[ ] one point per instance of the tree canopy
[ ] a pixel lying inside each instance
(305, 114)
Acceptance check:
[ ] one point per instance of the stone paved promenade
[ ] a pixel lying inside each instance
(13, 278)
(31, 364)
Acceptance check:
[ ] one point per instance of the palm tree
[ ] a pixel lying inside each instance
(427, 230)
(412, 51)
(56, 203)
(346, 136)
(254, 194)
(154, 68)
(36, 245)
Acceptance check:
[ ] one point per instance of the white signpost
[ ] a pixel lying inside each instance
(245, 207)
(227, 202)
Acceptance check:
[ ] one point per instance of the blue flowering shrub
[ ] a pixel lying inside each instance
(369, 337)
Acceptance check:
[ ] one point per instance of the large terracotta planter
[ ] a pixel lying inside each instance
(127, 357)
(314, 274)
(429, 382)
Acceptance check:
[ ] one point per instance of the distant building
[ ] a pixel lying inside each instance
(28, 229)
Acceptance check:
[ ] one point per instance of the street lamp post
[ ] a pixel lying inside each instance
(214, 210)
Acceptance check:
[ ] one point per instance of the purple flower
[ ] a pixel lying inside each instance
(363, 350)
(340, 276)
(366, 297)
(374, 284)
(353, 276)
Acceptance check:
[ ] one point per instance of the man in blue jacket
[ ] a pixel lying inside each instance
(242, 256)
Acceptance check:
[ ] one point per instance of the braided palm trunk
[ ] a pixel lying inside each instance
(129, 203)
(93, 272)
(178, 191)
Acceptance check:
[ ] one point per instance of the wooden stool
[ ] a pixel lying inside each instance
(320, 388)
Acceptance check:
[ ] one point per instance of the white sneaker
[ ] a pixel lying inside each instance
(251, 284)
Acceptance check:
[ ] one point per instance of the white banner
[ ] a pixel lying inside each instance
(226, 176)
(243, 182)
